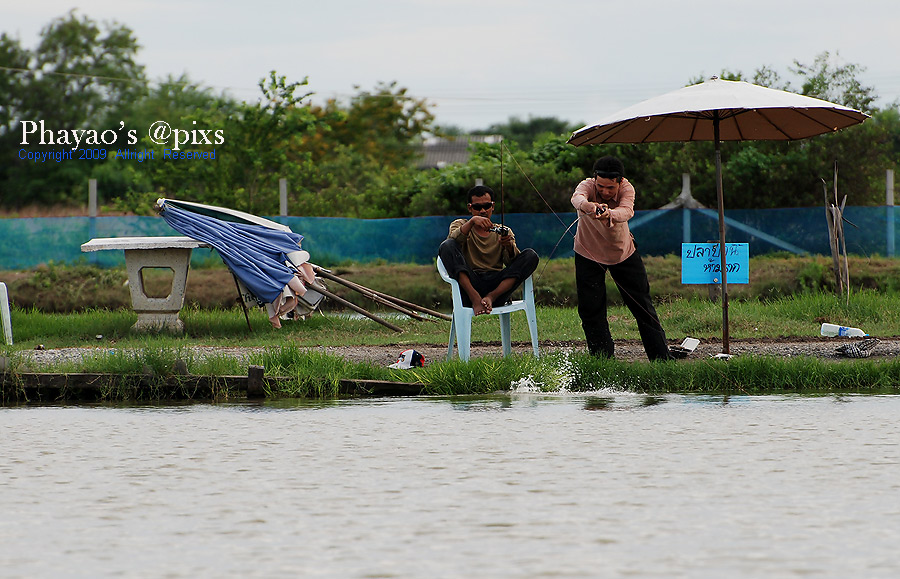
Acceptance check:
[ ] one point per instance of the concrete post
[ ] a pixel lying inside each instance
(282, 196)
(92, 214)
(92, 197)
(889, 202)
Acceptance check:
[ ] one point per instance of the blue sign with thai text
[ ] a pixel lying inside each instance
(702, 263)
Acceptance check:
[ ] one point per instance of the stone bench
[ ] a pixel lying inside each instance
(174, 253)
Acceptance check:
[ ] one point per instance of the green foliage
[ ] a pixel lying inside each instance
(525, 133)
(829, 79)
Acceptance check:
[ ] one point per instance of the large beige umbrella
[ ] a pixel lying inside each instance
(720, 110)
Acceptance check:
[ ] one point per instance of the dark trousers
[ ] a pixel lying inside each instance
(631, 279)
(484, 282)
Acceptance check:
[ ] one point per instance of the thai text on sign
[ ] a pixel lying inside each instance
(702, 263)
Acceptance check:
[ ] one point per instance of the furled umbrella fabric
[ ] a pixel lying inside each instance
(720, 110)
(255, 254)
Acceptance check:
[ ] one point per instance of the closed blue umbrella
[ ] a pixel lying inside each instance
(255, 254)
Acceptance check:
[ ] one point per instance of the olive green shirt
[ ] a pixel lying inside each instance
(482, 253)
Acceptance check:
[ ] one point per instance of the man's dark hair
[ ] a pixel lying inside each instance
(609, 167)
(479, 190)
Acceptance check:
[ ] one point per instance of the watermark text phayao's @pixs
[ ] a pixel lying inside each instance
(160, 133)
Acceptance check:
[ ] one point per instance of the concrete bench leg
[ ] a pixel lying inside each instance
(158, 314)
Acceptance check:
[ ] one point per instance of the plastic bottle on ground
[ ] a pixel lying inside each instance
(836, 330)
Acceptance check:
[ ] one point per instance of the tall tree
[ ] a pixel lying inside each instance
(829, 79)
(81, 76)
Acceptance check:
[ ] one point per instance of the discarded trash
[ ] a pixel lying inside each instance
(860, 349)
(686, 348)
(409, 359)
(836, 330)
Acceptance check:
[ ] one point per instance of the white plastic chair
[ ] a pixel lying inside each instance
(461, 326)
(4, 315)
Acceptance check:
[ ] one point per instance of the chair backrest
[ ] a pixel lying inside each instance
(442, 271)
(455, 291)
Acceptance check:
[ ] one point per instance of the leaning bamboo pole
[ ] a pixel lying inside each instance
(403, 306)
(357, 309)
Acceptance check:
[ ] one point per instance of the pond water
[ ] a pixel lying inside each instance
(521, 485)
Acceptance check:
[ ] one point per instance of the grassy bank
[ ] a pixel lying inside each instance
(55, 288)
(315, 374)
(799, 315)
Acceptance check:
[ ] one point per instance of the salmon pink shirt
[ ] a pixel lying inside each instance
(605, 242)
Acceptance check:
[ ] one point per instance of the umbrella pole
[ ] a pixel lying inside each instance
(720, 201)
(241, 300)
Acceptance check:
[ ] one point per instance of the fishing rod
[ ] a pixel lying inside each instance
(501, 230)
(502, 224)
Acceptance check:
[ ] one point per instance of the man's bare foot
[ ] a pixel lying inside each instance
(488, 303)
(479, 308)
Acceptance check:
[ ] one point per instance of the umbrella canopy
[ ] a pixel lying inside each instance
(742, 111)
(222, 213)
(255, 254)
(720, 110)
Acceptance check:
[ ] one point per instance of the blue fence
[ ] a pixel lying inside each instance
(27, 243)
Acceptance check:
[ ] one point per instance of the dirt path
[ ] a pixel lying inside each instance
(630, 350)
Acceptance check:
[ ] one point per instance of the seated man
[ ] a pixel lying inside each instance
(483, 257)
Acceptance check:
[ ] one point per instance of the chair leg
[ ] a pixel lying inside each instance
(531, 316)
(505, 334)
(452, 339)
(464, 336)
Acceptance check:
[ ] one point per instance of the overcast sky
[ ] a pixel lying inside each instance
(480, 62)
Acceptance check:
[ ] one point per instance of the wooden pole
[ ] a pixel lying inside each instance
(362, 289)
(256, 382)
(380, 300)
(726, 347)
(357, 309)
(241, 299)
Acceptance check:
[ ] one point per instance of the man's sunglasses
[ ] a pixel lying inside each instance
(481, 206)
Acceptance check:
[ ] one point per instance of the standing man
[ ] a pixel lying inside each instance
(483, 257)
(603, 242)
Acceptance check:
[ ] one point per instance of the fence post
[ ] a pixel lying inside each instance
(685, 212)
(92, 215)
(92, 197)
(889, 202)
(282, 193)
